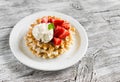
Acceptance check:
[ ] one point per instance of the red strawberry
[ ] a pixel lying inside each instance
(58, 31)
(44, 19)
(66, 25)
(64, 34)
(57, 41)
(58, 22)
(51, 20)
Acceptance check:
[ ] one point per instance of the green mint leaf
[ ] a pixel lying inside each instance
(51, 26)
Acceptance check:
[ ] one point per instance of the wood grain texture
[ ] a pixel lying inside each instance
(100, 18)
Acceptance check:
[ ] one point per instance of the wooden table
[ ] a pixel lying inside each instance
(100, 18)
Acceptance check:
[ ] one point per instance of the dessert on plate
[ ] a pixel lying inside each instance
(49, 37)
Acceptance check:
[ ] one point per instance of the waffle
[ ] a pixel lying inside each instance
(47, 50)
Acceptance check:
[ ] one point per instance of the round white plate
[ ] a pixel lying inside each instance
(69, 58)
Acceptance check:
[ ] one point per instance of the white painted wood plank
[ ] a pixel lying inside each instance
(100, 18)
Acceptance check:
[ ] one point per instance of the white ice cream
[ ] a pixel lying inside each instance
(42, 33)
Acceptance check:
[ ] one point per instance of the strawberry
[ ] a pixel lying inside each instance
(51, 19)
(66, 25)
(57, 41)
(61, 32)
(58, 31)
(58, 22)
(44, 19)
(64, 34)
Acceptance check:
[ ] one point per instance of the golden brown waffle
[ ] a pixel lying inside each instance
(46, 50)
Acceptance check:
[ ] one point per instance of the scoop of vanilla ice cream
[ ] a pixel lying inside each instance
(42, 33)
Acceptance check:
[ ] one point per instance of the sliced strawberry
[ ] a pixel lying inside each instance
(44, 19)
(66, 25)
(51, 19)
(57, 41)
(58, 22)
(58, 31)
(64, 34)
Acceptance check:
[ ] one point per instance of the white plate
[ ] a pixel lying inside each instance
(69, 58)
